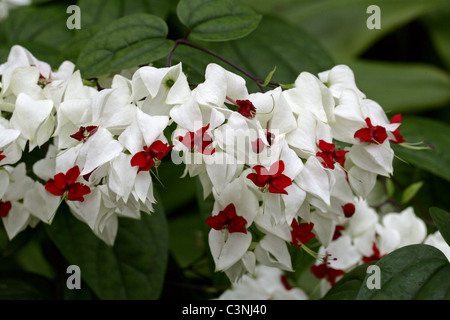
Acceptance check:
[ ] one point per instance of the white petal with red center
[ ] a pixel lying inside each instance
(305, 137)
(345, 253)
(311, 94)
(339, 78)
(188, 115)
(221, 170)
(373, 157)
(24, 80)
(69, 122)
(364, 219)
(19, 181)
(364, 242)
(143, 183)
(324, 226)
(109, 231)
(314, 180)
(361, 181)
(292, 201)
(41, 203)
(16, 221)
(272, 251)
(4, 182)
(122, 176)
(99, 149)
(88, 210)
(348, 117)
(265, 223)
(29, 115)
(226, 253)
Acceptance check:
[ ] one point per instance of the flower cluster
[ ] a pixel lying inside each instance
(101, 145)
(288, 162)
(284, 166)
(369, 236)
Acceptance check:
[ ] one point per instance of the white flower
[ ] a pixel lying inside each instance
(34, 119)
(14, 216)
(338, 79)
(266, 284)
(411, 229)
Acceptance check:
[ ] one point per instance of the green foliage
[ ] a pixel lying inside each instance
(130, 41)
(418, 272)
(442, 220)
(436, 135)
(133, 268)
(217, 20)
(413, 272)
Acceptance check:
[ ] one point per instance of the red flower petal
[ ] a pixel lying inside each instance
(60, 181)
(5, 207)
(276, 168)
(278, 183)
(257, 146)
(77, 191)
(349, 210)
(159, 149)
(246, 108)
(72, 175)
(51, 187)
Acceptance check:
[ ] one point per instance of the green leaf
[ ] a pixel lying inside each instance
(432, 132)
(419, 272)
(133, 268)
(402, 87)
(410, 192)
(45, 25)
(437, 25)
(217, 20)
(100, 12)
(274, 42)
(348, 286)
(269, 77)
(442, 220)
(128, 42)
(24, 286)
(341, 26)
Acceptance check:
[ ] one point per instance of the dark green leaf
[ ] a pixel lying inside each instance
(432, 132)
(442, 220)
(273, 43)
(217, 20)
(402, 87)
(438, 27)
(45, 25)
(131, 41)
(24, 286)
(348, 286)
(411, 191)
(341, 26)
(132, 269)
(100, 12)
(412, 272)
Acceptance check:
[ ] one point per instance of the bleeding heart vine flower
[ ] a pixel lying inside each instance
(199, 139)
(228, 219)
(66, 185)
(152, 155)
(272, 180)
